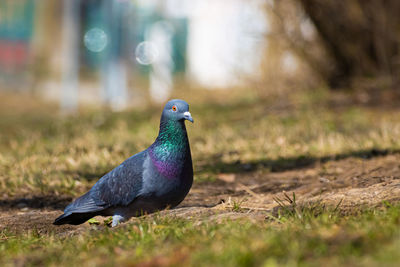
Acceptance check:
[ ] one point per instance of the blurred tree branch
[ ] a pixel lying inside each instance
(362, 36)
(347, 40)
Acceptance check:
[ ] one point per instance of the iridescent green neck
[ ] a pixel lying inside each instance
(171, 148)
(171, 139)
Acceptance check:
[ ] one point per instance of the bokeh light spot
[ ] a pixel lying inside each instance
(95, 40)
(146, 53)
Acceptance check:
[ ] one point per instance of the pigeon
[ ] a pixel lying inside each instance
(157, 178)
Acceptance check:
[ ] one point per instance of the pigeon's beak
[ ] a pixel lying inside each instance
(188, 116)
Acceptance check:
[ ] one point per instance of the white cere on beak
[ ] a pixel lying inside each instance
(188, 116)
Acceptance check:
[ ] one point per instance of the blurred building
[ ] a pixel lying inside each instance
(117, 51)
(16, 33)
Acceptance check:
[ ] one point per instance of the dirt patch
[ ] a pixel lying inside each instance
(35, 221)
(352, 181)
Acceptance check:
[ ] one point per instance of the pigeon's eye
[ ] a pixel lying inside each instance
(174, 108)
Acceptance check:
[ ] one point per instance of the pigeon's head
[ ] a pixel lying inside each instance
(177, 110)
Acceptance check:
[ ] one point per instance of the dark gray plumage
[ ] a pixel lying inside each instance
(156, 178)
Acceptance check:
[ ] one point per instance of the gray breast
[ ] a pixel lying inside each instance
(155, 183)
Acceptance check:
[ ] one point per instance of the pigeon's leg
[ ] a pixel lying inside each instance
(117, 219)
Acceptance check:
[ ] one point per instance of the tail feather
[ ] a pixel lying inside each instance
(74, 218)
(79, 211)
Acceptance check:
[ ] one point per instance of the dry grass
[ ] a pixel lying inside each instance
(44, 153)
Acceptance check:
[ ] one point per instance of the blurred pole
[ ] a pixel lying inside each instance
(161, 80)
(70, 67)
(114, 69)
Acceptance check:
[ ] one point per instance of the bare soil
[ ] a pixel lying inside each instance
(354, 181)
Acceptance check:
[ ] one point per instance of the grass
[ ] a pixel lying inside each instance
(42, 153)
(364, 239)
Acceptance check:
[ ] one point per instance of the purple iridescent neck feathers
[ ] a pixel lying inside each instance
(171, 148)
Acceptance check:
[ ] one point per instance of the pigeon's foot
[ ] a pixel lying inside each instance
(117, 219)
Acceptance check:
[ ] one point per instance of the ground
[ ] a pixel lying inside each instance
(305, 179)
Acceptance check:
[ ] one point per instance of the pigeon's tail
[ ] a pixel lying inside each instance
(79, 211)
(73, 218)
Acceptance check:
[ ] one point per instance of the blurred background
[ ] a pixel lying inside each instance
(121, 53)
(294, 101)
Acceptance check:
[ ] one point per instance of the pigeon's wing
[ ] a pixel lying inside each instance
(117, 188)
(120, 186)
